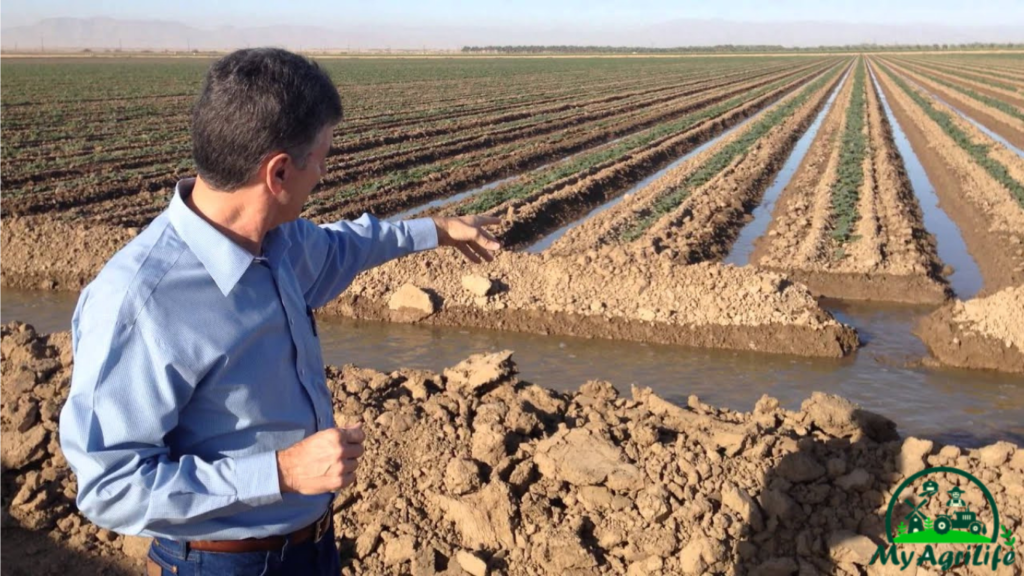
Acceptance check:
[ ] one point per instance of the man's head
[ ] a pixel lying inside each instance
(264, 117)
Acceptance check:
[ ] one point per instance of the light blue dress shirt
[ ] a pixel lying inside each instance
(195, 361)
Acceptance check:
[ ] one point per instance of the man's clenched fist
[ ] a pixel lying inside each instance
(324, 462)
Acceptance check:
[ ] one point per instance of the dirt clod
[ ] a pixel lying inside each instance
(586, 482)
(477, 285)
(411, 302)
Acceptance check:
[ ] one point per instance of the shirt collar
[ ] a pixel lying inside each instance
(224, 260)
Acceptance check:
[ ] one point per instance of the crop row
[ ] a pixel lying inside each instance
(51, 174)
(386, 134)
(350, 170)
(704, 225)
(675, 196)
(989, 217)
(463, 171)
(526, 186)
(996, 103)
(887, 254)
(970, 73)
(978, 152)
(850, 177)
(985, 67)
(530, 218)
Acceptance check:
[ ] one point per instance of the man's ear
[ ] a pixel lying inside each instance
(277, 167)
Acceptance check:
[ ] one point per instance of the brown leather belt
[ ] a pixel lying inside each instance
(316, 531)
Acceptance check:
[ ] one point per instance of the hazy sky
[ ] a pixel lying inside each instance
(208, 13)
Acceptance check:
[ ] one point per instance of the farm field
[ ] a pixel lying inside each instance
(642, 173)
(817, 245)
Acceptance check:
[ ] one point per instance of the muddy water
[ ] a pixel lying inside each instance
(546, 242)
(744, 245)
(966, 279)
(969, 408)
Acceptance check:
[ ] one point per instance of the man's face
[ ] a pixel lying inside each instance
(301, 181)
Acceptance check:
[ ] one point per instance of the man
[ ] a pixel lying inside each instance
(199, 412)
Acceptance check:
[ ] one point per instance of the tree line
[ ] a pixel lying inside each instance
(734, 48)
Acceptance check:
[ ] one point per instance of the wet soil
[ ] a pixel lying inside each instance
(606, 295)
(972, 199)
(890, 257)
(986, 333)
(999, 122)
(474, 470)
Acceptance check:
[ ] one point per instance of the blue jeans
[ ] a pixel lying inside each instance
(308, 558)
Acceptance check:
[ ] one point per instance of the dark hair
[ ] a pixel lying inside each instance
(255, 102)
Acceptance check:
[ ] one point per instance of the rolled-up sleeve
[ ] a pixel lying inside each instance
(126, 393)
(327, 258)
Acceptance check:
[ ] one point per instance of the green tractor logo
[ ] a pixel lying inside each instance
(963, 520)
(957, 523)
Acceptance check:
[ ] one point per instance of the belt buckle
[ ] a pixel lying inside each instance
(322, 525)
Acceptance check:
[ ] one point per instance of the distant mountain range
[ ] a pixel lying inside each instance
(110, 33)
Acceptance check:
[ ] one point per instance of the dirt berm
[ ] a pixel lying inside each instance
(980, 333)
(607, 293)
(475, 472)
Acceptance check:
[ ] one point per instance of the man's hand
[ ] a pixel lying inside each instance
(324, 462)
(467, 234)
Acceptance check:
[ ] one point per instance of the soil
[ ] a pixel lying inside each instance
(996, 120)
(1011, 98)
(531, 218)
(991, 222)
(528, 157)
(704, 226)
(607, 294)
(892, 258)
(984, 333)
(474, 471)
(44, 252)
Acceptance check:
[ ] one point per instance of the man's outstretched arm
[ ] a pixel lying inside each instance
(327, 258)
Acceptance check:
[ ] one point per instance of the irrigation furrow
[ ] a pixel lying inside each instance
(1004, 129)
(531, 221)
(968, 182)
(418, 188)
(848, 224)
(585, 123)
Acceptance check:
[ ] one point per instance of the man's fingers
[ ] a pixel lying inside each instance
(348, 466)
(487, 240)
(481, 251)
(486, 221)
(351, 450)
(353, 434)
(476, 233)
(469, 254)
(348, 479)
